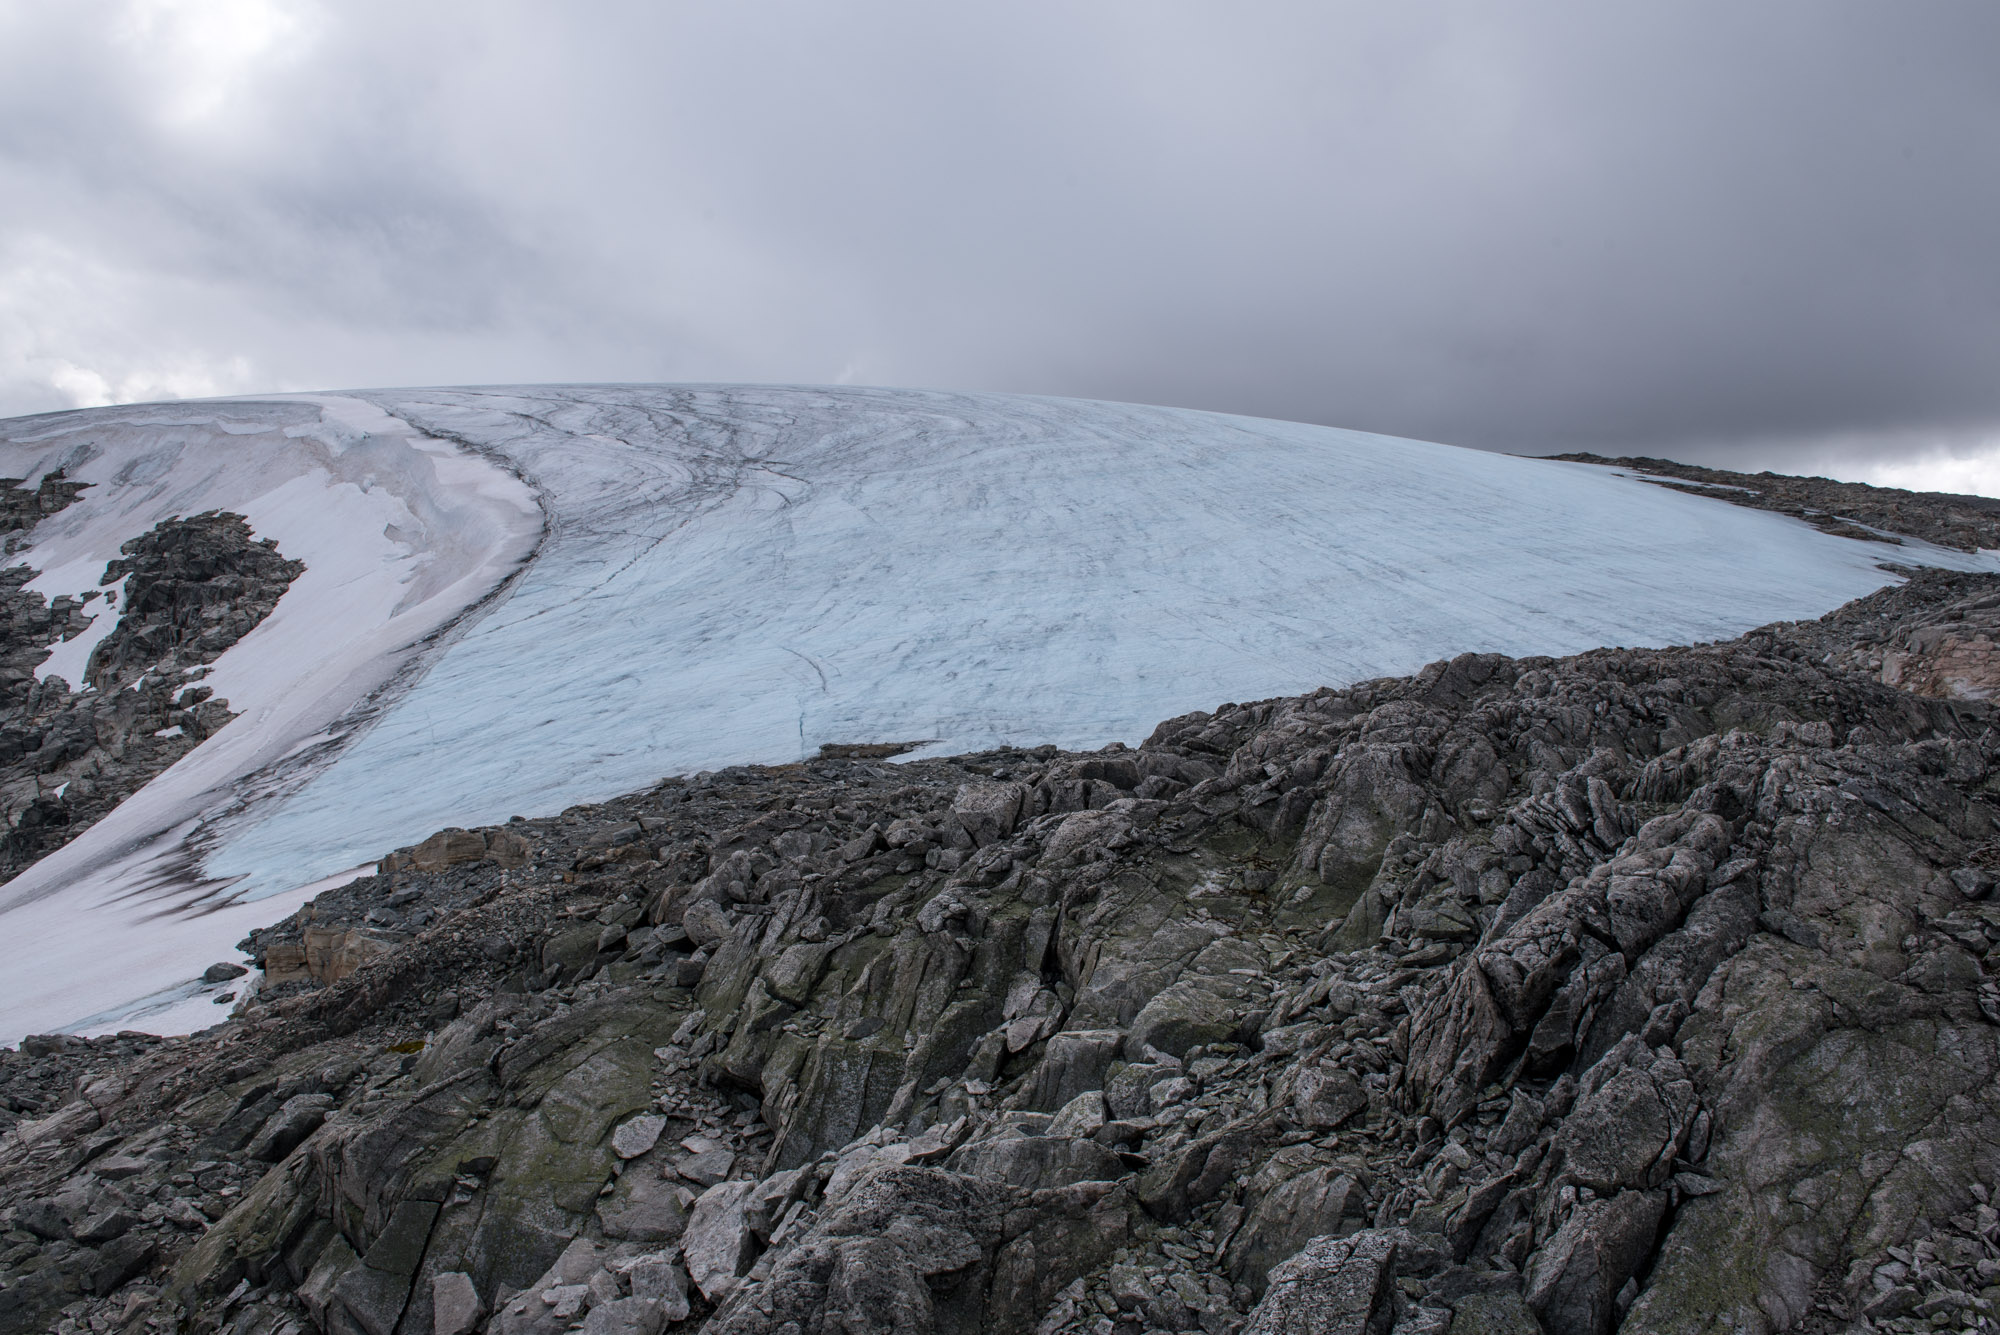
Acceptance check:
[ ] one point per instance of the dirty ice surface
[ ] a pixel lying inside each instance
(740, 574)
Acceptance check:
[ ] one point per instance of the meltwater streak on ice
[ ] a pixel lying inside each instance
(741, 574)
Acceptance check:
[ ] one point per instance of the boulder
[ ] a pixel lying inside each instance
(117, 1167)
(508, 849)
(1346, 1286)
(1631, 1119)
(1334, 1286)
(918, 1249)
(118, 1261)
(1497, 1313)
(65, 1124)
(448, 848)
(635, 1137)
(571, 952)
(1326, 1096)
(1203, 1169)
(660, 1279)
(791, 976)
(1087, 834)
(705, 922)
(857, 1163)
(1369, 799)
(1037, 1162)
(1573, 1281)
(642, 1207)
(285, 962)
(1128, 1091)
(626, 1316)
(989, 811)
(1311, 1204)
(1081, 1116)
(44, 1218)
(534, 1310)
(1186, 1015)
(105, 1225)
(1074, 1062)
(334, 953)
(719, 1244)
(455, 1305)
(708, 1167)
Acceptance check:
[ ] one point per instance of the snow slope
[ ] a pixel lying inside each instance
(737, 574)
(400, 534)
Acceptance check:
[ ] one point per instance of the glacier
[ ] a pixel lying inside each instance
(520, 598)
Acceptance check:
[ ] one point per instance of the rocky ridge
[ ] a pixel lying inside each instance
(182, 593)
(1846, 509)
(1640, 989)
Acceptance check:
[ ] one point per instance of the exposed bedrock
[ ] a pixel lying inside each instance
(178, 596)
(1642, 990)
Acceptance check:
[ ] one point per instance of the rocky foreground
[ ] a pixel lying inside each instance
(1641, 990)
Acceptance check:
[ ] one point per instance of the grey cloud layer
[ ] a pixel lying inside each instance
(1528, 226)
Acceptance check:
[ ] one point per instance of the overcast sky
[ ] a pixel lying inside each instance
(1762, 233)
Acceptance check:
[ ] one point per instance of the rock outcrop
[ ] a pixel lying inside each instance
(181, 595)
(1846, 509)
(1644, 989)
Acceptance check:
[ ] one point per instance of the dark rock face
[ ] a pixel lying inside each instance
(22, 509)
(191, 588)
(1641, 990)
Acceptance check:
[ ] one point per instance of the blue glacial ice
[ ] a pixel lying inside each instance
(740, 574)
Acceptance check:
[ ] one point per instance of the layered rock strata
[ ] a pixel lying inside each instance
(1642, 989)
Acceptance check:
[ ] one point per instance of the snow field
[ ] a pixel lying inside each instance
(399, 536)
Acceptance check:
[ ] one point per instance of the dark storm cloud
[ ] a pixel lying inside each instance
(1755, 232)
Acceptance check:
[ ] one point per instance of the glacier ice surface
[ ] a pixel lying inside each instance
(740, 574)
